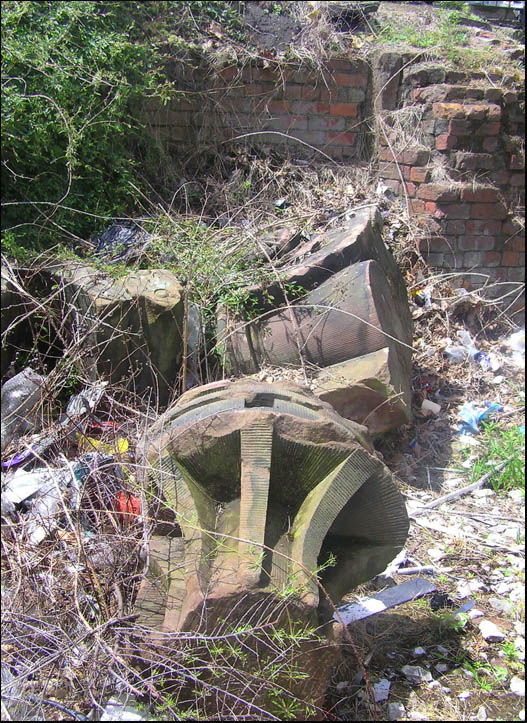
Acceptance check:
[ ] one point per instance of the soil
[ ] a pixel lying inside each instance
(270, 30)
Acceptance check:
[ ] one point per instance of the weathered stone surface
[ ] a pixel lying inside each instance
(314, 261)
(266, 482)
(372, 390)
(132, 326)
(351, 314)
(270, 465)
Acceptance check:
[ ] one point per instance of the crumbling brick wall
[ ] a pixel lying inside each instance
(325, 109)
(467, 178)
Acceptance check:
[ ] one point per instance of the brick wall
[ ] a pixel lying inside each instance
(467, 178)
(324, 110)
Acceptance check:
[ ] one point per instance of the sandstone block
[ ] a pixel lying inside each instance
(131, 326)
(371, 390)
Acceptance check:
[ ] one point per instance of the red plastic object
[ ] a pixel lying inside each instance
(127, 505)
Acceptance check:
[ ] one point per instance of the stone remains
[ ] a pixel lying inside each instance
(313, 261)
(354, 324)
(131, 326)
(373, 390)
(352, 315)
(265, 481)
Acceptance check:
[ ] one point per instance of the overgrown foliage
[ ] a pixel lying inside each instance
(73, 76)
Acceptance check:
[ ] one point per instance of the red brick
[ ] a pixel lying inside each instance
(411, 189)
(490, 144)
(479, 195)
(448, 110)
(414, 158)
(228, 73)
(489, 210)
(476, 243)
(279, 106)
(292, 92)
(435, 244)
(493, 112)
(350, 80)
(348, 110)
(419, 175)
(517, 274)
(385, 154)
(445, 142)
(488, 129)
(417, 206)
(510, 96)
(487, 228)
(518, 243)
(459, 127)
(390, 170)
(493, 95)
(287, 123)
(456, 227)
(512, 227)
(433, 209)
(328, 94)
(185, 105)
(339, 64)
(511, 258)
(473, 259)
(517, 179)
(454, 210)
(517, 162)
(310, 92)
(502, 178)
(394, 185)
(492, 258)
(321, 123)
(405, 170)
(437, 192)
(343, 139)
(255, 89)
(265, 74)
(476, 111)
(310, 108)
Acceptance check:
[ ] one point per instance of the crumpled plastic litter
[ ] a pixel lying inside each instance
(121, 241)
(458, 353)
(471, 416)
(516, 343)
(41, 491)
(79, 405)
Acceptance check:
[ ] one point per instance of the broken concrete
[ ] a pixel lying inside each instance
(131, 326)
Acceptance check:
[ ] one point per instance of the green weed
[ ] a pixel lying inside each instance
(499, 443)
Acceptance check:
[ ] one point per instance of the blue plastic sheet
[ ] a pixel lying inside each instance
(471, 416)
